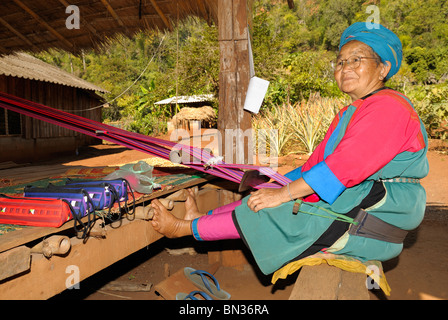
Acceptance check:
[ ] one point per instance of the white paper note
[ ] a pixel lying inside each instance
(255, 94)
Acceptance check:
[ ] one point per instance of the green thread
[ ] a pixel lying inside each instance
(333, 215)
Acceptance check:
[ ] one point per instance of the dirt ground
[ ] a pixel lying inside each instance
(419, 273)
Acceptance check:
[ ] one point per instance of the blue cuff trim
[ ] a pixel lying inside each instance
(210, 212)
(194, 229)
(324, 182)
(294, 174)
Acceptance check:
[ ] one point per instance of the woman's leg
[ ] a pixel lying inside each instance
(216, 225)
(192, 211)
(225, 208)
(167, 224)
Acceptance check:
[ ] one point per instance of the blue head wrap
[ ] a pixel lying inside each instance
(383, 41)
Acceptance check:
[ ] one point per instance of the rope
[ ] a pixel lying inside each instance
(129, 87)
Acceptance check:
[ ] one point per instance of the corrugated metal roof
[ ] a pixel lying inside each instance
(22, 65)
(187, 99)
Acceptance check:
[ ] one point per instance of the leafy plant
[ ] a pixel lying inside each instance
(310, 119)
(431, 103)
(301, 124)
(276, 118)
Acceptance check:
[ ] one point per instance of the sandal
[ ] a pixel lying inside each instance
(200, 279)
(191, 296)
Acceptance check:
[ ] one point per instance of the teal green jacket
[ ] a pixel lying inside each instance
(376, 139)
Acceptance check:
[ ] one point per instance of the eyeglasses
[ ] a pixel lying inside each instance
(352, 62)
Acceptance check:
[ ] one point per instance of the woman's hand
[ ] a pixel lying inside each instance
(272, 197)
(267, 198)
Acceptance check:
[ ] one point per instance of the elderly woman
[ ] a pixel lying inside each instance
(359, 191)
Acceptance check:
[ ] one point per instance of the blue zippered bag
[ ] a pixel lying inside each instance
(117, 188)
(103, 194)
(78, 198)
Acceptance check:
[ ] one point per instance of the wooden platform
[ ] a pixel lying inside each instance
(33, 276)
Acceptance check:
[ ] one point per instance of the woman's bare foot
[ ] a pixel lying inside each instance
(167, 224)
(191, 208)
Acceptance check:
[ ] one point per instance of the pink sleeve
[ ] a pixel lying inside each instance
(380, 129)
(318, 153)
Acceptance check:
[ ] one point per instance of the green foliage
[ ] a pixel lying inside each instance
(431, 103)
(427, 64)
(292, 49)
(303, 73)
(147, 68)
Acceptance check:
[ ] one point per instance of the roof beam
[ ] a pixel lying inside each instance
(162, 15)
(17, 33)
(114, 14)
(43, 23)
(204, 12)
(3, 50)
(84, 21)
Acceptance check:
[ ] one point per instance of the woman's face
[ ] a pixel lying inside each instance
(360, 81)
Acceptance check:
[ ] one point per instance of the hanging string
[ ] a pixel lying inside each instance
(177, 62)
(129, 87)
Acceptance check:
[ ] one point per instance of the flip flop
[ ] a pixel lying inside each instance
(200, 279)
(191, 296)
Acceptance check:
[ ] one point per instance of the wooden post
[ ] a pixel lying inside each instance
(234, 123)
